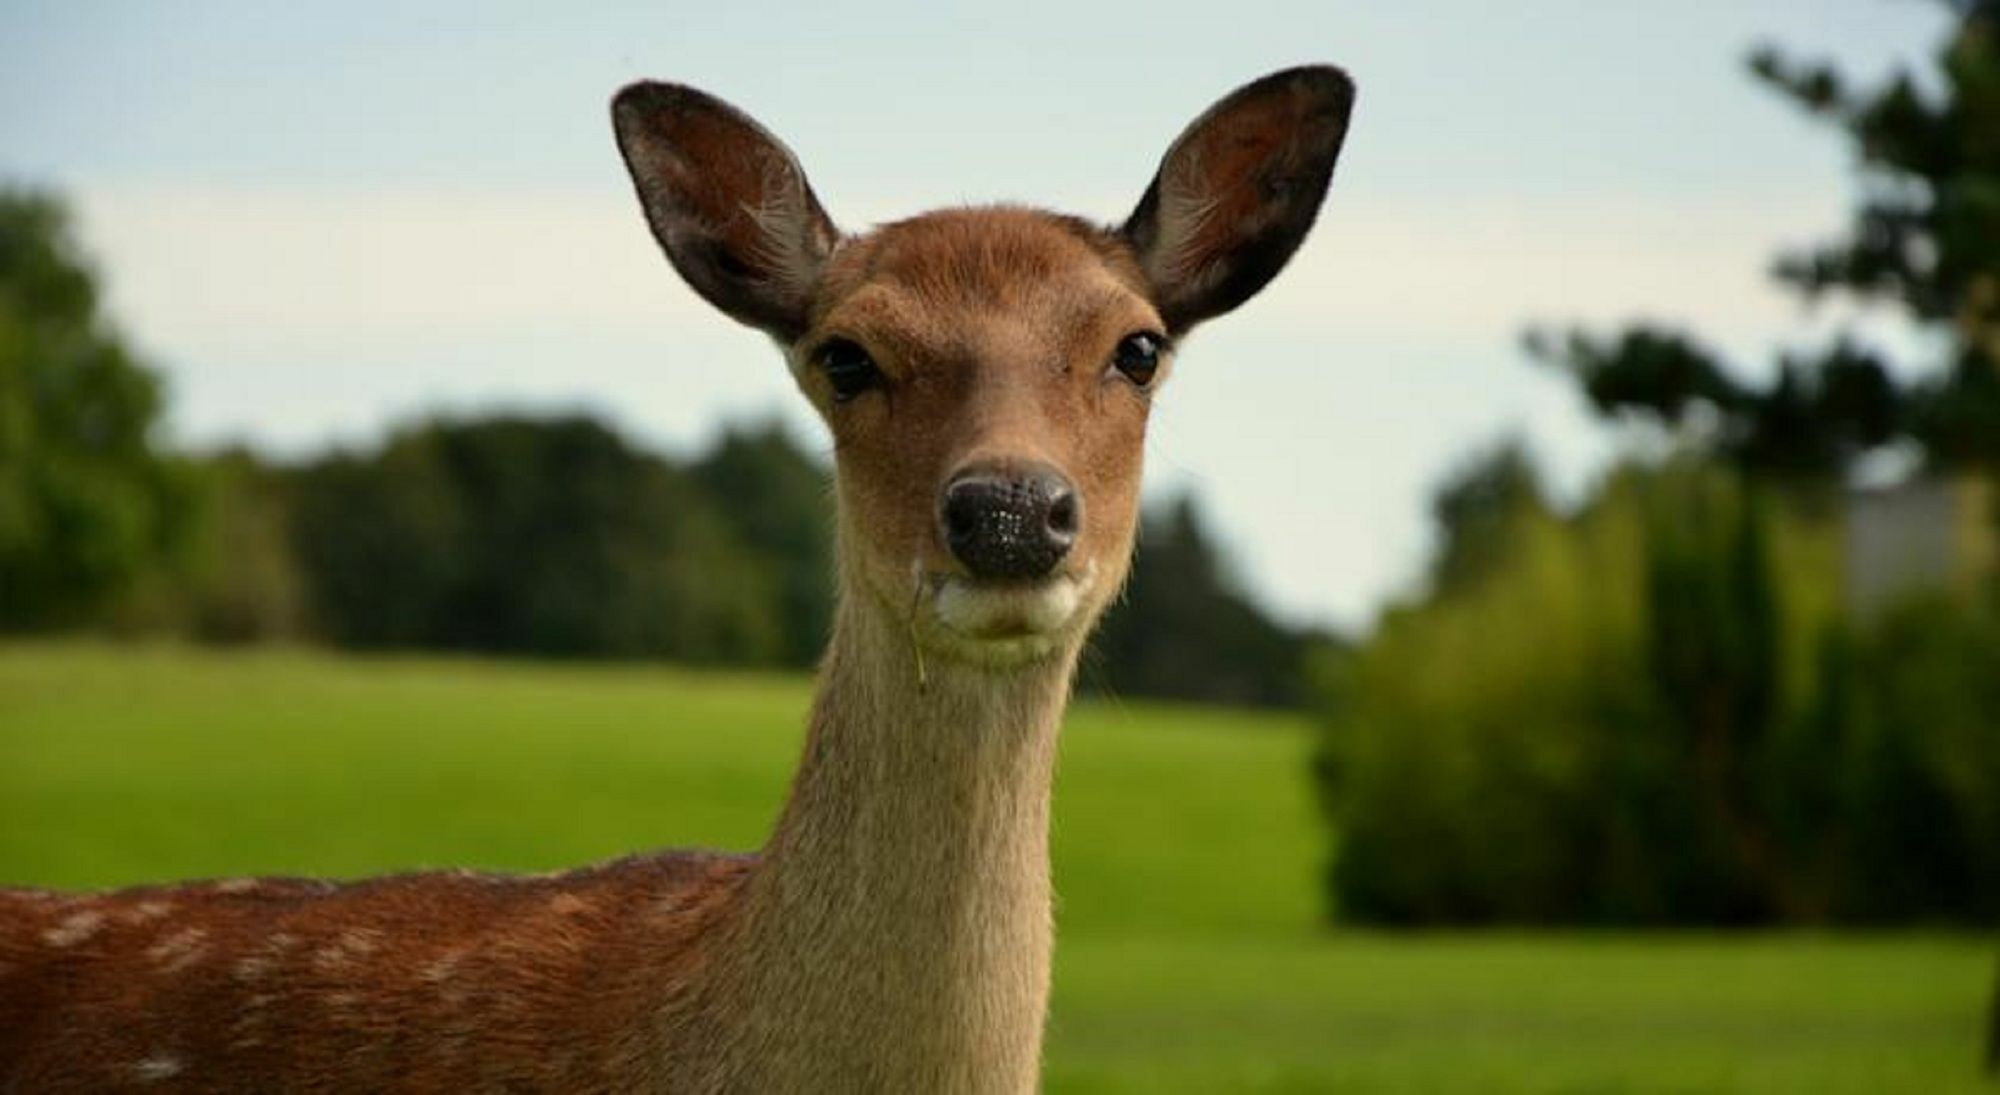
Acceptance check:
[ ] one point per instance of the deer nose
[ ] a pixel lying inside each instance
(1009, 524)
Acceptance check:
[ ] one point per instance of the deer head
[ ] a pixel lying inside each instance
(986, 373)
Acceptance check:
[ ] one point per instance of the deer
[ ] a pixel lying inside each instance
(985, 374)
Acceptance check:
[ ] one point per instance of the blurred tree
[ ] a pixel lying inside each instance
(1185, 630)
(242, 582)
(778, 501)
(1817, 417)
(1925, 239)
(1927, 233)
(1993, 1031)
(1710, 643)
(546, 537)
(1652, 711)
(87, 501)
(376, 538)
(1910, 730)
(1474, 508)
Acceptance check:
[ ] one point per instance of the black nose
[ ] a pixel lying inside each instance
(1013, 523)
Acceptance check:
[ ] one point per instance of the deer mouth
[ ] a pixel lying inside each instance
(998, 616)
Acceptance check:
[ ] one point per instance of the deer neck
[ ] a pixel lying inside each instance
(898, 932)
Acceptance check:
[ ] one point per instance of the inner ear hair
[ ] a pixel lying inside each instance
(1237, 192)
(728, 203)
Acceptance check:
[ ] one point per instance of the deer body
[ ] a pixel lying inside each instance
(986, 375)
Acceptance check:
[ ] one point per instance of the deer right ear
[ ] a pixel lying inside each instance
(728, 203)
(1237, 191)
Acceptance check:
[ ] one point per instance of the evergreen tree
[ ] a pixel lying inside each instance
(1925, 239)
(1185, 630)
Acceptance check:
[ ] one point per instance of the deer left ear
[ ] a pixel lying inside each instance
(1238, 190)
(727, 201)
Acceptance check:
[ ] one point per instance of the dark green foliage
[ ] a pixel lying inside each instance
(1818, 415)
(242, 583)
(1475, 509)
(1959, 415)
(779, 503)
(88, 504)
(512, 535)
(1654, 712)
(1185, 630)
(1662, 374)
(1993, 1031)
(1907, 739)
(1710, 648)
(375, 536)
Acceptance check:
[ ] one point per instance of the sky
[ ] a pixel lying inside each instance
(320, 220)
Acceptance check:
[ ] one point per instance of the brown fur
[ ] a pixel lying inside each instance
(895, 934)
(430, 982)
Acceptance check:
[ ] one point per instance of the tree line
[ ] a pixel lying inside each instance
(544, 536)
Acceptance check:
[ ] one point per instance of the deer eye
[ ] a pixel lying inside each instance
(1138, 357)
(848, 368)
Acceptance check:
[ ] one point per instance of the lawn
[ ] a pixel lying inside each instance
(1191, 957)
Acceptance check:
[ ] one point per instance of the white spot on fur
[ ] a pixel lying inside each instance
(352, 943)
(265, 958)
(147, 911)
(180, 950)
(250, 1018)
(442, 973)
(567, 904)
(441, 968)
(74, 929)
(237, 885)
(160, 1066)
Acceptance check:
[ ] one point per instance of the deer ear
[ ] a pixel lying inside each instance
(1238, 190)
(728, 203)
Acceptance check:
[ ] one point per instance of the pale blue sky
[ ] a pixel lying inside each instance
(322, 218)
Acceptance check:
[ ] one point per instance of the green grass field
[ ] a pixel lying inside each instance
(1191, 955)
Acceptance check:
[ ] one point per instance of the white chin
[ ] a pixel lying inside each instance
(1006, 622)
